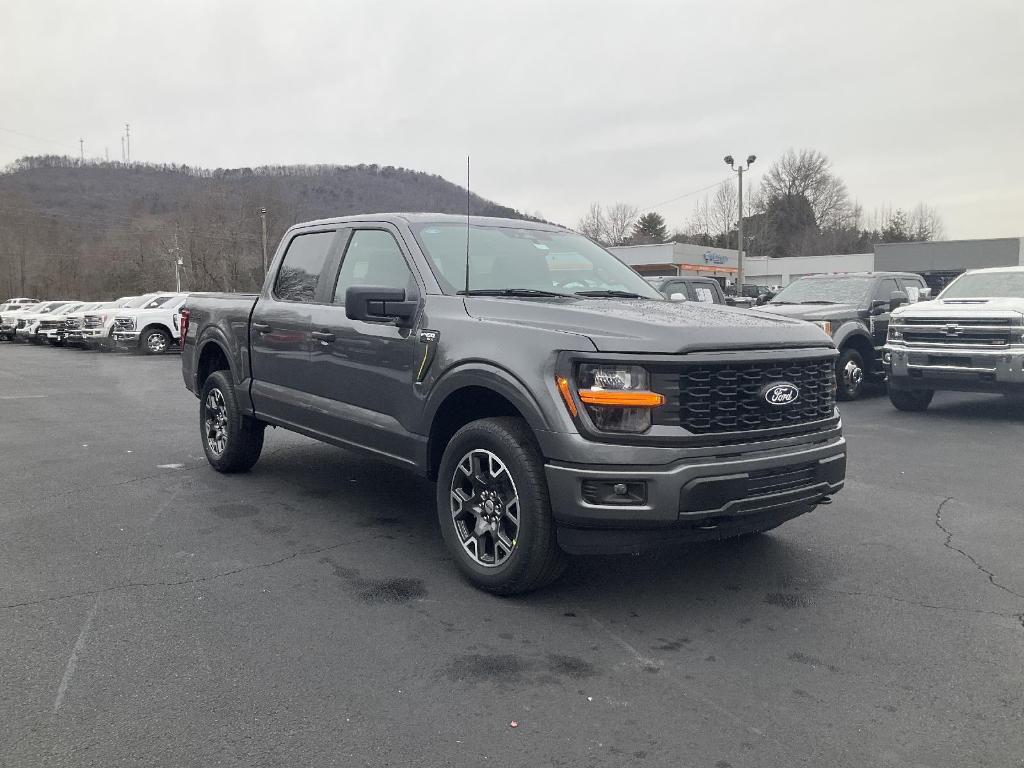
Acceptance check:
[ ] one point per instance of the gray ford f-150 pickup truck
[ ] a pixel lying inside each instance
(559, 401)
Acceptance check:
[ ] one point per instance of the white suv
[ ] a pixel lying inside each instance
(152, 328)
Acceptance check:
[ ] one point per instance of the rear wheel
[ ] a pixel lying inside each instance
(154, 341)
(849, 375)
(911, 399)
(232, 441)
(494, 510)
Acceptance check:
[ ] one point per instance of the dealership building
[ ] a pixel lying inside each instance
(938, 262)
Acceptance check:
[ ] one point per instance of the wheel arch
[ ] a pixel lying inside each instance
(473, 393)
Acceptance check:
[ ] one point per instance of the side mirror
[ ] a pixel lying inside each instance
(374, 304)
(879, 307)
(924, 294)
(762, 299)
(677, 297)
(897, 299)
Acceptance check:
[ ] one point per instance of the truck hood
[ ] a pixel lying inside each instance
(966, 308)
(811, 311)
(646, 326)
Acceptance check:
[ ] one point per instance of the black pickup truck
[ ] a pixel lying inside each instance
(560, 402)
(853, 308)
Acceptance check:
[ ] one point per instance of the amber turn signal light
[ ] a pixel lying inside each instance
(563, 389)
(622, 398)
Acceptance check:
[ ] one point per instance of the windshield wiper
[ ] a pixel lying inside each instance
(818, 301)
(773, 301)
(512, 292)
(610, 294)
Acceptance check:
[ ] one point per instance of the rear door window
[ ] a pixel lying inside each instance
(299, 274)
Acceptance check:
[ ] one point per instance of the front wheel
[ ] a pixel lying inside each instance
(494, 510)
(155, 341)
(849, 375)
(232, 441)
(911, 399)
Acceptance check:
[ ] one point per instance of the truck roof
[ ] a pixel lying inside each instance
(859, 274)
(434, 218)
(997, 269)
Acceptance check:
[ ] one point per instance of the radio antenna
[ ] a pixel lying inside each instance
(467, 224)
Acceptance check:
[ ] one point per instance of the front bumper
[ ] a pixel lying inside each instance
(954, 368)
(126, 338)
(693, 499)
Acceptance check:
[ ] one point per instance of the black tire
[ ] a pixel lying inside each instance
(154, 341)
(850, 375)
(911, 399)
(535, 559)
(238, 437)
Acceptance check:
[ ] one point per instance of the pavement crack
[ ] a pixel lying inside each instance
(185, 582)
(922, 603)
(948, 544)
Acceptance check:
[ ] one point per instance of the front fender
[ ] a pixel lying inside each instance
(488, 376)
(849, 330)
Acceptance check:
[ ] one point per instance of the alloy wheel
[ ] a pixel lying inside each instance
(216, 421)
(485, 508)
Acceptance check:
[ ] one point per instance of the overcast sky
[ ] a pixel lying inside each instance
(559, 103)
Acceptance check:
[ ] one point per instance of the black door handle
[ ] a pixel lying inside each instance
(260, 327)
(324, 337)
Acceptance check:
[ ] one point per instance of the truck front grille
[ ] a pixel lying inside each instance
(709, 398)
(92, 321)
(50, 325)
(72, 323)
(954, 332)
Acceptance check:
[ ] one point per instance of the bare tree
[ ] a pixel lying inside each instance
(925, 223)
(619, 222)
(593, 224)
(724, 211)
(808, 173)
(611, 227)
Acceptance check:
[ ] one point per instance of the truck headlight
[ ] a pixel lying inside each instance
(825, 325)
(617, 397)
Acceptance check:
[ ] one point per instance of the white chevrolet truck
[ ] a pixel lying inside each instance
(969, 339)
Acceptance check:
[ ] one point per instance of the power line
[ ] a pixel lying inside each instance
(688, 194)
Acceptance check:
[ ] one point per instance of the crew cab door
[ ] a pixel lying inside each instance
(279, 331)
(363, 373)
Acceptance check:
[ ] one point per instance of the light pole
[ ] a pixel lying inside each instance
(739, 234)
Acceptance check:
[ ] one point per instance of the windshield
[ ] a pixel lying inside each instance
(67, 308)
(825, 290)
(159, 301)
(986, 285)
(503, 258)
(138, 301)
(48, 307)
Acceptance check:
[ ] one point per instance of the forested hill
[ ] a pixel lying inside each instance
(98, 230)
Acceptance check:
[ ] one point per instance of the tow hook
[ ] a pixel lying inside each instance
(825, 500)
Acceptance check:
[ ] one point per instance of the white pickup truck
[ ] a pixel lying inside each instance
(98, 325)
(153, 328)
(969, 339)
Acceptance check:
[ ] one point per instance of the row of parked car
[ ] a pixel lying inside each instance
(149, 324)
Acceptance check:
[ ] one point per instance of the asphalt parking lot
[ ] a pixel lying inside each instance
(153, 612)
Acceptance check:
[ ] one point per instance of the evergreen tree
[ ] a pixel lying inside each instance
(649, 228)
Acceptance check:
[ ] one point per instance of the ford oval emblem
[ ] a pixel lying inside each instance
(780, 393)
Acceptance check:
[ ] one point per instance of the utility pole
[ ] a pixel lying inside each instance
(127, 144)
(176, 255)
(106, 154)
(81, 150)
(739, 227)
(263, 220)
(122, 149)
